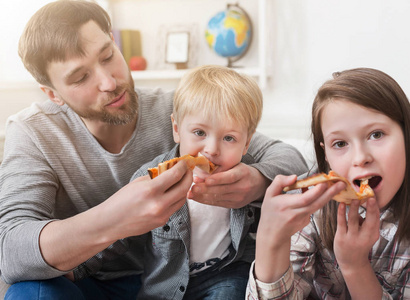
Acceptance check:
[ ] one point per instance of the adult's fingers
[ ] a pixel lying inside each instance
(170, 177)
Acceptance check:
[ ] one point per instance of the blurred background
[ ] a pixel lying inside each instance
(296, 45)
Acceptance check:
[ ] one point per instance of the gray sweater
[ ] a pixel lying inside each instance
(53, 168)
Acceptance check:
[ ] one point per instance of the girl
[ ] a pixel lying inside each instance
(309, 246)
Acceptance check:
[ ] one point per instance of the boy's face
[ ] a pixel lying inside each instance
(360, 142)
(97, 86)
(220, 141)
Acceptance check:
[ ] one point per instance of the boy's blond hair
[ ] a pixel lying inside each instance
(219, 93)
(52, 34)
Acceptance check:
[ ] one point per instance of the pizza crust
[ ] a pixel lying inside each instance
(345, 196)
(200, 161)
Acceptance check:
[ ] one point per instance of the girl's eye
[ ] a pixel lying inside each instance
(229, 138)
(199, 132)
(339, 144)
(376, 135)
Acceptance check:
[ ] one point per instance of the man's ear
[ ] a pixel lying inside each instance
(175, 129)
(51, 94)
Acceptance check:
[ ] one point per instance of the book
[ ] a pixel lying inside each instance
(130, 43)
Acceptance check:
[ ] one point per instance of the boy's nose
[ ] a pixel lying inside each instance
(212, 148)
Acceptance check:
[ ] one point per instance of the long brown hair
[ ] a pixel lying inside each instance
(52, 34)
(375, 90)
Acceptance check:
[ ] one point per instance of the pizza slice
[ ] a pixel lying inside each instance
(200, 161)
(346, 196)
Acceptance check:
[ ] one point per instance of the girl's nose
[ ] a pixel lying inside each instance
(362, 156)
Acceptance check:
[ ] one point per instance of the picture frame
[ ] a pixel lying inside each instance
(186, 52)
(177, 47)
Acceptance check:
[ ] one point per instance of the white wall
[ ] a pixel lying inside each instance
(307, 41)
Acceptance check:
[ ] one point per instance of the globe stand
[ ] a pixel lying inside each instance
(233, 59)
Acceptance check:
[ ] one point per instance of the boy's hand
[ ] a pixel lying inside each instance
(233, 188)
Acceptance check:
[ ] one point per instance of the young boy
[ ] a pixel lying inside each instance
(204, 251)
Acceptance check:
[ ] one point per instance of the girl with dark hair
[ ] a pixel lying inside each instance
(310, 246)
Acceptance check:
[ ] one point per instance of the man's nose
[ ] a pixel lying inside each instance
(107, 82)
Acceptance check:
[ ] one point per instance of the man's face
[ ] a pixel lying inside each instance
(97, 86)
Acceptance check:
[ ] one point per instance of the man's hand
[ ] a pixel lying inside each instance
(234, 188)
(137, 208)
(145, 204)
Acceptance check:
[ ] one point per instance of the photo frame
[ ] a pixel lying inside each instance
(177, 47)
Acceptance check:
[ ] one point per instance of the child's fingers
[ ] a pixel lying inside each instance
(372, 214)
(278, 184)
(341, 219)
(353, 221)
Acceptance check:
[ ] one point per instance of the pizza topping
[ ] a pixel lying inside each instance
(200, 161)
(346, 196)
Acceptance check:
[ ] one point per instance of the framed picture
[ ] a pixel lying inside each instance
(177, 46)
(177, 49)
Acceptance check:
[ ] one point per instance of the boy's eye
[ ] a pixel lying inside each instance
(376, 135)
(339, 144)
(199, 132)
(229, 138)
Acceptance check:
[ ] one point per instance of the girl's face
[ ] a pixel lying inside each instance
(360, 143)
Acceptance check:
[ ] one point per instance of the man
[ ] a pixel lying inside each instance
(65, 201)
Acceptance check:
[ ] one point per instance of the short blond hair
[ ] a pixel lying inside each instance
(219, 92)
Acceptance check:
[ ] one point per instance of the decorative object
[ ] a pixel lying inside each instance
(130, 43)
(229, 33)
(177, 49)
(177, 46)
(137, 63)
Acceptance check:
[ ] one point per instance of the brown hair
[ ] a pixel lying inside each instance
(375, 90)
(219, 92)
(52, 34)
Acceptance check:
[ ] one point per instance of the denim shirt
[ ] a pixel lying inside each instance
(166, 260)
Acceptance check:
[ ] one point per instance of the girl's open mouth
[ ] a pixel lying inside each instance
(373, 181)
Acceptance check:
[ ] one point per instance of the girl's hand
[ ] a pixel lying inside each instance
(355, 238)
(283, 215)
(353, 242)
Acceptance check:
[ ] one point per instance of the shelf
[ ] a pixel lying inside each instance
(177, 74)
(259, 72)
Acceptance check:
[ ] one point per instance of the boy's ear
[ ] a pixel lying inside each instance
(51, 94)
(175, 129)
(245, 150)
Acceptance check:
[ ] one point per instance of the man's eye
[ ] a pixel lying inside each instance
(376, 135)
(199, 132)
(109, 57)
(339, 144)
(81, 80)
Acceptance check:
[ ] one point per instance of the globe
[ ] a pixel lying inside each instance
(229, 33)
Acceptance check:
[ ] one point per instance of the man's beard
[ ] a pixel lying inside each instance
(122, 115)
